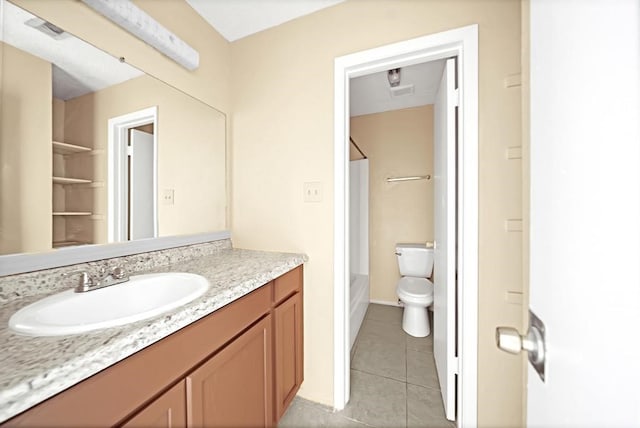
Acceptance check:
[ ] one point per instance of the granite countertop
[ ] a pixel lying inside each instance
(33, 369)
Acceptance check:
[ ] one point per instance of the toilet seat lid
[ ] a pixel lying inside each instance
(415, 287)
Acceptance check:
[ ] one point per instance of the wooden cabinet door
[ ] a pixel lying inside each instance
(234, 387)
(167, 411)
(288, 352)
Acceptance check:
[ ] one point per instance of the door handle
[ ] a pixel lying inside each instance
(510, 340)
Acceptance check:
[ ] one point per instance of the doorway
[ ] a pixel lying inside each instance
(133, 176)
(460, 43)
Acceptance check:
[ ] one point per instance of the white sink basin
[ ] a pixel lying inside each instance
(143, 296)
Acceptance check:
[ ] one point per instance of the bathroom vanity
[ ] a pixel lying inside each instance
(239, 364)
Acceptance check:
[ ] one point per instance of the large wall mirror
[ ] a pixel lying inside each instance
(94, 151)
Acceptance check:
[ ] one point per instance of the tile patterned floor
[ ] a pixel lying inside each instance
(393, 381)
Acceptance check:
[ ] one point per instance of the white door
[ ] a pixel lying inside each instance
(444, 288)
(141, 185)
(585, 211)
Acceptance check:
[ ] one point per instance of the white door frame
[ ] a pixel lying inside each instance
(117, 190)
(463, 43)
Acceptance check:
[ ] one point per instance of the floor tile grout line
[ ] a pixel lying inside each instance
(378, 375)
(406, 384)
(406, 404)
(423, 386)
(357, 421)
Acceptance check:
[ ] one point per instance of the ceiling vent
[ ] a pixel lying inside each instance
(47, 28)
(400, 91)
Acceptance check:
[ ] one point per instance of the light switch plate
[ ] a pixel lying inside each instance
(167, 197)
(313, 191)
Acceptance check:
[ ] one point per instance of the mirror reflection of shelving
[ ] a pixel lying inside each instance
(73, 201)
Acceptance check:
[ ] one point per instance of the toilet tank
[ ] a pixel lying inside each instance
(415, 260)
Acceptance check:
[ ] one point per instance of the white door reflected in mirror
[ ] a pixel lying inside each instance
(133, 207)
(142, 207)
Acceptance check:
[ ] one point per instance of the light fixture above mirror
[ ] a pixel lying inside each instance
(136, 21)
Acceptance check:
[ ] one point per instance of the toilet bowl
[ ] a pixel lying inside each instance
(415, 262)
(417, 296)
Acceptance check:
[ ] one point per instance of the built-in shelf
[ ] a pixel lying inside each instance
(66, 180)
(67, 155)
(83, 185)
(70, 213)
(68, 149)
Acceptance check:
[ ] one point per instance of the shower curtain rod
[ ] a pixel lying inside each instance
(409, 178)
(357, 148)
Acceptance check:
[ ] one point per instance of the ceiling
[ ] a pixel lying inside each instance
(235, 19)
(418, 87)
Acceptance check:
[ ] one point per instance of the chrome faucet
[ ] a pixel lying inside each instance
(105, 278)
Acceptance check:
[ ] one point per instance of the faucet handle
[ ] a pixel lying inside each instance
(118, 272)
(84, 281)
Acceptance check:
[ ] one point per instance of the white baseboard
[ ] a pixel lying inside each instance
(396, 304)
(385, 302)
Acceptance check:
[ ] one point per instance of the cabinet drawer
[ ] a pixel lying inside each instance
(287, 284)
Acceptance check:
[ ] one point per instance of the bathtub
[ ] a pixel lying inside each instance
(358, 303)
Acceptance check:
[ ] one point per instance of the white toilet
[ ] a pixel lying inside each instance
(414, 289)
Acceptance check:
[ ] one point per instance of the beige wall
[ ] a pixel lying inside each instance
(58, 119)
(191, 154)
(25, 153)
(282, 130)
(354, 154)
(397, 143)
